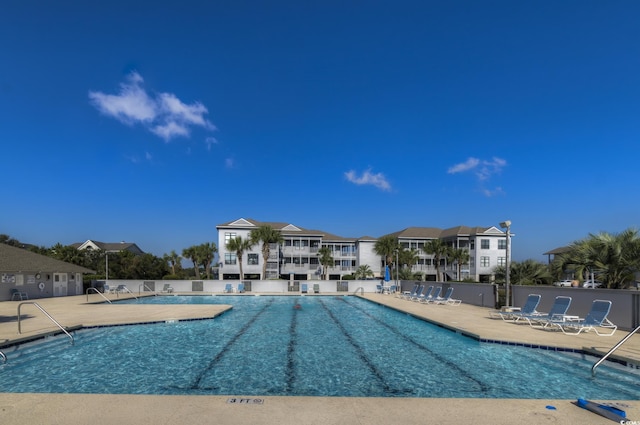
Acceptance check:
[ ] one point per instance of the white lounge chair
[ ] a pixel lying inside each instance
(529, 308)
(418, 295)
(435, 294)
(447, 298)
(595, 320)
(540, 320)
(424, 295)
(406, 295)
(167, 288)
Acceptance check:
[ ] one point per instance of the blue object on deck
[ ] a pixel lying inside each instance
(608, 412)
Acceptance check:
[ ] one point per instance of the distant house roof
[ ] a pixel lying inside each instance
(14, 259)
(556, 251)
(108, 246)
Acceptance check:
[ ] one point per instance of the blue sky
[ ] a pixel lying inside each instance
(152, 122)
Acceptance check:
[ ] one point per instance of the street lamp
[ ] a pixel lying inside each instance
(507, 225)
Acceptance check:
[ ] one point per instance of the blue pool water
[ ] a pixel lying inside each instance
(331, 346)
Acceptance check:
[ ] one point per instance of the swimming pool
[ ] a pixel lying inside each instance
(330, 346)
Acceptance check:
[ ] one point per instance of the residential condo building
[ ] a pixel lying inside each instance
(296, 258)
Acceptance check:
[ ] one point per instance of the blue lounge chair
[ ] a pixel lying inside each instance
(595, 320)
(316, 288)
(529, 308)
(378, 289)
(304, 288)
(540, 320)
(167, 288)
(418, 294)
(425, 294)
(228, 288)
(433, 296)
(240, 287)
(447, 300)
(414, 292)
(408, 294)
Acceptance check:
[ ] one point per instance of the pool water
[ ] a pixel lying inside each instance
(330, 346)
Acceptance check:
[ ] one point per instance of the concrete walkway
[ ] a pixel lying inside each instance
(98, 409)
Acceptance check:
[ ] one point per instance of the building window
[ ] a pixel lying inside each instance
(502, 244)
(484, 262)
(502, 261)
(484, 243)
(229, 258)
(253, 259)
(228, 236)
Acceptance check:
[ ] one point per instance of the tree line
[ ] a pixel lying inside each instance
(126, 265)
(613, 259)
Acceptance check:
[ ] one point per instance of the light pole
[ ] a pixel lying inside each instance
(106, 267)
(507, 225)
(396, 251)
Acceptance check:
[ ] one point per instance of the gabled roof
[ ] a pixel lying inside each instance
(109, 246)
(557, 251)
(14, 259)
(418, 233)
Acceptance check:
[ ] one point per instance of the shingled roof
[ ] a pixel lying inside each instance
(14, 259)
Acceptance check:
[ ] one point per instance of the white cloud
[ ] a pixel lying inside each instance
(165, 115)
(469, 164)
(131, 105)
(367, 178)
(483, 170)
(210, 141)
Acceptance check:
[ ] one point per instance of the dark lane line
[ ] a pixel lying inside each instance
(483, 387)
(216, 359)
(361, 353)
(290, 371)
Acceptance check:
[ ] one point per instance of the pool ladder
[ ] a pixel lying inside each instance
(46, 314)
(97, 292)
(615, 347)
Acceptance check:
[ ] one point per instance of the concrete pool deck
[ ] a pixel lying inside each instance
(98, 409)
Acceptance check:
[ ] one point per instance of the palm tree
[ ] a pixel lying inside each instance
(528, 272)
(386, 247)
(265, 235)
(363, 272)
(192, 254)
(439, 249)
(408, 258)
(460, 256)
(612, 258)
(326, 259)
(205, 253)
(239, 246)
(172, 258)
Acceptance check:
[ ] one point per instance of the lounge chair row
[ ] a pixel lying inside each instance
(430, 296)
(558, 319)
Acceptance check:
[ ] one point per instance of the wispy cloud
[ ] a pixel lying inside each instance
(483, 170)
(164, 115)
(368, 178)
(210, 141)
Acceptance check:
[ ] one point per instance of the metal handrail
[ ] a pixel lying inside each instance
(97, 292)
(360, 288)
(142, 285)
(124, 288)
(615, 347)
(46, 314)
(4, 358)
